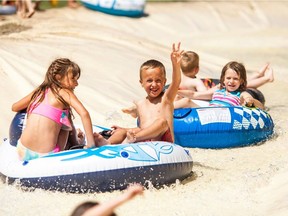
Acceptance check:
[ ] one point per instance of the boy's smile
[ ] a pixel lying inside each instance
(153, 81)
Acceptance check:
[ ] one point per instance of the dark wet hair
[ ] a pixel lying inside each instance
(83, 207)
(239, 69)
(190, 61)
(152, 63)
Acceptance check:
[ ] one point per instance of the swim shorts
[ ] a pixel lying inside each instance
(27, 154)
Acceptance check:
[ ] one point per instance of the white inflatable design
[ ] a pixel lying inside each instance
(107, 168)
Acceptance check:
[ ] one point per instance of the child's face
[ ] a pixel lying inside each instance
(232, 80)
(69, 81)
(153, 81)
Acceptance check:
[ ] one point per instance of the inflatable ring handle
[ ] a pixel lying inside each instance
(181, 113)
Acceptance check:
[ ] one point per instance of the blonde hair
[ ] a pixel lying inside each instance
(189, 62)
(152, 63)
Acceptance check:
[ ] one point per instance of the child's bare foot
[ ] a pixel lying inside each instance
(131, 111)
(262, 70)
(130, 137)
(30, 14)
(269, 74)
(100, 140)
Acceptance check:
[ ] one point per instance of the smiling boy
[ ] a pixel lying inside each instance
(155, 111)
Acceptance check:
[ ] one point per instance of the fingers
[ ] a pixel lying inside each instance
(249, 101)
(135, 189)
(178, 47)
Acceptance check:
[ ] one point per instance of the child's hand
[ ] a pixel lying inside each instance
(80, 136)
(248, 101)
(133, 190)
(115, 127)
(176, 54)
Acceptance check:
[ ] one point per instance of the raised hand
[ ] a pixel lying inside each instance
(176, 54)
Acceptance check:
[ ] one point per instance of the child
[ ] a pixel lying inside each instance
(49, 113)
(190, 68)
(155, 112)
(106, 209)
(232, 88)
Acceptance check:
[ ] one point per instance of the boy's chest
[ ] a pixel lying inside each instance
(150, 110)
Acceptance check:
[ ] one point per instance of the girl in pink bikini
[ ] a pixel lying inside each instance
(49, 113)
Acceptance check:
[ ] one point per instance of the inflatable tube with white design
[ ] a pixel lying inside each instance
(107, 168)
(221, 127)
(129, 8)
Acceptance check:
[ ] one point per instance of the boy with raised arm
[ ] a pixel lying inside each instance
(155, 111)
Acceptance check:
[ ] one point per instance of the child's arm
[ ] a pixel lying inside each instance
(131, 110)
(107, 208)
(22, 103)
(247, 100)
(175, 56)
(76, 104)
(203, 95)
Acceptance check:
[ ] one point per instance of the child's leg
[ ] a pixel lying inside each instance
(260, 73)
(184, 103)
(20, 8)
(76, 137)
(152, 132)
(117, 136)
(29, 6)
(62, 139)
(268, 77)
(100, 140)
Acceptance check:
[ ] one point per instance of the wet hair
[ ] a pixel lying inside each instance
(152, 63)
(190, 61)
(60, 67)
(83, 207)
(240, 70)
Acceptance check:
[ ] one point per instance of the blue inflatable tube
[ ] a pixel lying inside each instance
(221, 127)
(129, 8)
(111, 167)
(7, 9)
(16, 127)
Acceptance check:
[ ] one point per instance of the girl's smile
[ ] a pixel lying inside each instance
(231, 80)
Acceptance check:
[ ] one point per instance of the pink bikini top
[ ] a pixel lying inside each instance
(57, 115)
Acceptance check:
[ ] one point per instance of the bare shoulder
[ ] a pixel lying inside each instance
(140, 102)
(189, 83)
(67, 95)
(64, 92)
